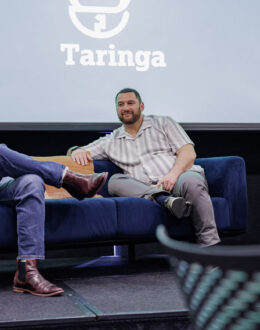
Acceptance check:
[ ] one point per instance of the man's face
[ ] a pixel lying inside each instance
(129, 109)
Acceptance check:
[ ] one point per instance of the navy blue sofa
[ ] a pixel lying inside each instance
(124, 220)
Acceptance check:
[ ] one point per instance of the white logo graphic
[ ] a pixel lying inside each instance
(100, 25)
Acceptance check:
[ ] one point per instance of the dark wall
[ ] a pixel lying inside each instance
(226, 143)
(208, 143)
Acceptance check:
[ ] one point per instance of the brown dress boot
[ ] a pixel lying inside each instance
(28, 279)
(83, 185)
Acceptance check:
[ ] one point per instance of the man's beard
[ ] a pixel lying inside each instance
(131, 120)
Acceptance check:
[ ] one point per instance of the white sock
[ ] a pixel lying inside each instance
(64, 171)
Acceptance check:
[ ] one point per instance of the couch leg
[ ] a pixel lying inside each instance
(125, 251)
(131, 252)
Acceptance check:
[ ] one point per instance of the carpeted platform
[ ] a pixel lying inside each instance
(105, 293)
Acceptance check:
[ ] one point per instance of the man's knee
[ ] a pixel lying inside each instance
(2, 145)
(31, 184)
(2, 150)
(193, 184)
(113, 182)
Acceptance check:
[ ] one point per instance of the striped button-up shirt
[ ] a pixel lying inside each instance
(148, 156)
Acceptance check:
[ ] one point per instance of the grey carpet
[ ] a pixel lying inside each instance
(100, 290)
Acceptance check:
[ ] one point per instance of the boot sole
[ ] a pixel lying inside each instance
(20, 290)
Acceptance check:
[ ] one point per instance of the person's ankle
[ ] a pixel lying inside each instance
(64, 172)
(161, 198)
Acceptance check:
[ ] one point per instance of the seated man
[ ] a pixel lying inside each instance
(157, 158)
(22, 186)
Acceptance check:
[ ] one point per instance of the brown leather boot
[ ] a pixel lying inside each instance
(28, 279)
(81, 186)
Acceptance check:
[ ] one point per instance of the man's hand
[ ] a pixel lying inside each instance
(81, 156)
(167, 182)
(185, 159)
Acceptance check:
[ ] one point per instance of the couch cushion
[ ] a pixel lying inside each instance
(139, 218)
(67, 221)
(70, 220)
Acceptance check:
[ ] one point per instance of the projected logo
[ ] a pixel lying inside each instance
(100, 14)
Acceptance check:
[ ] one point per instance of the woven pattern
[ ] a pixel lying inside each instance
(225, 296)
(221, 299)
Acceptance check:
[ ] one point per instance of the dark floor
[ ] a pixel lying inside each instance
(102, 293)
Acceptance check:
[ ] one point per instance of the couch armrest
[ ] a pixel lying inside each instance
(226, 178)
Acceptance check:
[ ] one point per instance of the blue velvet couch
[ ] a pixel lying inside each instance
(120, 220)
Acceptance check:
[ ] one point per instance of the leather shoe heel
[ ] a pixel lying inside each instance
(81, 186)
(28, 279)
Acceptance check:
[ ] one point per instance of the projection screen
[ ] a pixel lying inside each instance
(197, 61)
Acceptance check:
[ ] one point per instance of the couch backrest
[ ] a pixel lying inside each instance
(106, 166)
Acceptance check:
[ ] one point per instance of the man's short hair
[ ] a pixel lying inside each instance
(129, 90)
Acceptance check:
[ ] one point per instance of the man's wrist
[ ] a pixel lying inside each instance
(69, 152)
(174, 173)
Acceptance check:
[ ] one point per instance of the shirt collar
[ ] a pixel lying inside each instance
(147, 122)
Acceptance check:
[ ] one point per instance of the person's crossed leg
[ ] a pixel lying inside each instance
(24, 190)
(189, 197)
